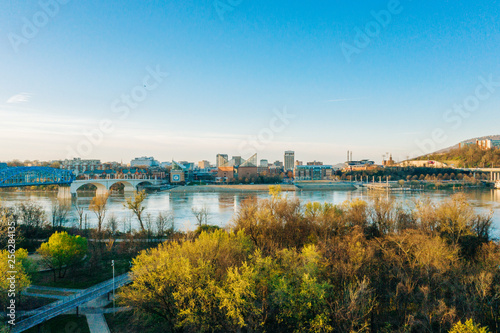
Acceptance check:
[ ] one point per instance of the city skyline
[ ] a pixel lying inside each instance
(186, 81)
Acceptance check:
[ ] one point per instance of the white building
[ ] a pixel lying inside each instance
(144, 161)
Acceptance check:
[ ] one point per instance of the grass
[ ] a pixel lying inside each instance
(83, 277)
(124, 322)
(64, 324)
(30, 302)
(34, 290)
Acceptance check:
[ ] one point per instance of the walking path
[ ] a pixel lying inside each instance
(97, 323)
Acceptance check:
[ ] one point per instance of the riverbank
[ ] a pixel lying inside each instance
(229, 188)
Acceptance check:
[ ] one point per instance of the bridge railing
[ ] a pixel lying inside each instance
(57, 308)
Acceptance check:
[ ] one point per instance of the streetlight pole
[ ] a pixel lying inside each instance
(113, 265)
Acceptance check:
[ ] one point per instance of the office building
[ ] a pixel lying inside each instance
(289, 159)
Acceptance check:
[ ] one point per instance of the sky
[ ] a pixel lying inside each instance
(186, 80)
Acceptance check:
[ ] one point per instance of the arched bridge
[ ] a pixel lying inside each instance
(34, 176)
(104, 185)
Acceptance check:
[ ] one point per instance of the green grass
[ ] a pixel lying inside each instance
(64, 324)
(124, 322)
(30, 302)
(83, 277)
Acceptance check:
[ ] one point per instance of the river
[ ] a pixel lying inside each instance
(222, 206)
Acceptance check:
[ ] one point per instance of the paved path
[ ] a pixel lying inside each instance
(97, 323)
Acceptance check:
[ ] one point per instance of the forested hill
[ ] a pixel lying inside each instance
(468, 157)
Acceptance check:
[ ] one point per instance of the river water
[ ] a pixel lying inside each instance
(222, 206)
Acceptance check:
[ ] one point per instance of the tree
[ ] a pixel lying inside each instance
(98, 206)
(31, 214)
(59, 212)
(468, 327)
(62, 251)
(135, 205)
(23, 268)
(79, 210)
(202, 215)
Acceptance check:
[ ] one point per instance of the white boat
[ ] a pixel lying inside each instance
(497, 184)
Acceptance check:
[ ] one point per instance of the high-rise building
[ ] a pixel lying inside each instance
(204, 164)
(221, 159)
(264, 163)
(237, 160)
(289, 160)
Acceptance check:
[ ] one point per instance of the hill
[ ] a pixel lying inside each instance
(446, 150)
(467, 157)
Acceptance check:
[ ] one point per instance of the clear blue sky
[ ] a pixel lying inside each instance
(232, 64)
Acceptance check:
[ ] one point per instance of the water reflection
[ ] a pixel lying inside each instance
(222, 206)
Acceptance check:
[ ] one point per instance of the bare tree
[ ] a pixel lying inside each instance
(164, 224)
(202, 215)
(79, 209)
(98, 206)
(112, 224)
(59, 211)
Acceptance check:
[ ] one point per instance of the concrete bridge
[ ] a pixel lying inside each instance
(104, 185)
(494, 172)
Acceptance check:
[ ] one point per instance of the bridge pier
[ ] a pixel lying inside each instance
(64, 192)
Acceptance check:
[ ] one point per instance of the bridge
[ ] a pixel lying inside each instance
(68, 185)
(34, 176)
(71, 302)
(104, 185)
(494, 172)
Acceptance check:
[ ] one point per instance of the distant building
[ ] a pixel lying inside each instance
(423, 164)
(79, 166)
(289, 159)
(315, 163)
(225, 174)
(360, 165)
(299, 163)
(313, 172)
(278, 163)
(237, 160)
(263, 163)
(204, 164)
(486, 144)
(221, 160)
(388, 163)
(144, 162)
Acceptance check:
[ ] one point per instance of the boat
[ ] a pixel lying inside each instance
(497, 184)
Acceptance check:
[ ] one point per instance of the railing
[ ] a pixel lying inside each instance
(57, 308)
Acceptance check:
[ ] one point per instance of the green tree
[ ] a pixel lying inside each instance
(135, 205)
(62, 251)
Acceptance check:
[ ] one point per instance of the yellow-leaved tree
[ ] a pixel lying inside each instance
(62, 251)
(18, 263)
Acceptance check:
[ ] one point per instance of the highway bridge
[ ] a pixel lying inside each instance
(71, 302)
(494, 172)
